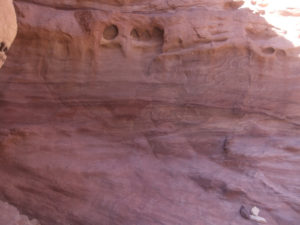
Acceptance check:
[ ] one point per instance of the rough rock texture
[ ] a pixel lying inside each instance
(152, 112)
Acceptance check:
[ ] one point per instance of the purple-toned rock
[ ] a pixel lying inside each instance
(146, 112)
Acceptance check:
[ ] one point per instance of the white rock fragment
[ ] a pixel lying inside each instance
(258, 219)
(254, 215)
(255, 211)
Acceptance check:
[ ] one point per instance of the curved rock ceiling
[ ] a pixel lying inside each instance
(152, 112)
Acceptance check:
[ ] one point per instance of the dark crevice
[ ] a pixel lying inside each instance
(3, 47)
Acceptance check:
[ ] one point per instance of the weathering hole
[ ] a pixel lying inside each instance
(280, 53)
(140, 34)
(234, 4)
(269, 50)
(110, 32)
(158, 33)
(135, 34)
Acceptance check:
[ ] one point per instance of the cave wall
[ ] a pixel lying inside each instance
(152, 112)
(8, 30)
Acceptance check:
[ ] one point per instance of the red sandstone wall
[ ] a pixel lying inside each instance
(152, 112)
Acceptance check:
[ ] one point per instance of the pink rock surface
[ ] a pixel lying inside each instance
(10, 216)
(152, 112)
(8, 29)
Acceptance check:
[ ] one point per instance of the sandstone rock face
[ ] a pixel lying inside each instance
(152, 112)
(8, 28)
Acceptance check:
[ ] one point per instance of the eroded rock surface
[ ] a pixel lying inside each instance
(8, 29)
(152, 112)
